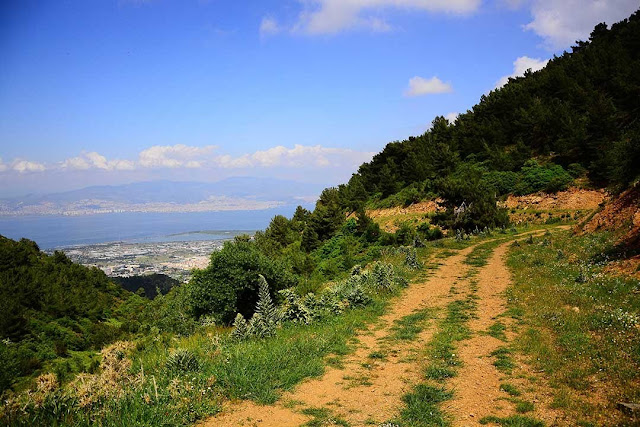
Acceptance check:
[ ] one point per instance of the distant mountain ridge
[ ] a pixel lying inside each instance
(238, 193)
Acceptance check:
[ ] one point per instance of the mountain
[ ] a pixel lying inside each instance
(239, 193)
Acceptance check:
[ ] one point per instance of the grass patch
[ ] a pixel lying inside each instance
(510, 389)
(378, 355)
(581, 323)
(439, 373)
(422, 407)
(323, 417)
(479, 256)
(497, 331)
(261, 369)
(408, 328)
(523, 407)
(513, 421)
(504, 361)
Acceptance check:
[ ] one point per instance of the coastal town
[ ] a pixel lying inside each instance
(123, 259)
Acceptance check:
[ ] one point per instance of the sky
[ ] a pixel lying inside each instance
(115, 91)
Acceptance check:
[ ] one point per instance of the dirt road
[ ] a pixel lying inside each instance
(368, 388)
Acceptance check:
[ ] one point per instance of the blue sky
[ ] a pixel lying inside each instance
(112, 91)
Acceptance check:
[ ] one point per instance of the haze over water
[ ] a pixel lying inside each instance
(57, 231)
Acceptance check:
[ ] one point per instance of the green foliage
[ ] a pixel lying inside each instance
(230, 283)
(512, 421)
(182, 360)
(550, 178)
(151, 284)
(426, 232)
(469, 201)
(50, 307)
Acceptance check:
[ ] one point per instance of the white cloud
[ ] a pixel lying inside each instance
(561, 22)
(333, 16)
(521, 65)
(297, 157)
(186, 157)
(452, 117)
(173, 156)
(419, 86)
(269, 27)
(23, 166)
(93, 160)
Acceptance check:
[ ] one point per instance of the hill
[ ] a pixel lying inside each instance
(51, 309)
(576, 118)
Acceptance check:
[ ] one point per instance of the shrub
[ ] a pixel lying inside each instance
(240, 328)
(182, 360)
(550, 178)
(410, 257)
(405, 234)
(230, 283)
(293, 308)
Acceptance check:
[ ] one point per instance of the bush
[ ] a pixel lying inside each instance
(550, 178)
(293, 308)
(182, 360)
(405, 234)
(229, 285)
(427, 232)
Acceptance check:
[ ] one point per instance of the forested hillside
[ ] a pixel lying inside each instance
(578, 116)
(573, 122)
(51, 308)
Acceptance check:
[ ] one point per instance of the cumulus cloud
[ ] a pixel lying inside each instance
(297, 157)
(174, 156)
(269, 27)
(333, 16)
(419, 86)
(521, 65)
(23, 166)
(93, 160)
(561, 23)
(206, 158)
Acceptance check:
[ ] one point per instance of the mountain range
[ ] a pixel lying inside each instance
(237, 193)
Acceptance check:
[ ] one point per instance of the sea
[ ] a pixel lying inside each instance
(58, 231)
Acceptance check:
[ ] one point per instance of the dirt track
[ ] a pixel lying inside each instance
(365, 392)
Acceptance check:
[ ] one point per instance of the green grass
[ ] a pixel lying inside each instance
(523, 407)
(510, 389)
(497, 331)
(323, 417)
(408, 327)
(479, 256)
(504, 362)
(580, 322)
(259, 370)
(512, 421)
(422, 407)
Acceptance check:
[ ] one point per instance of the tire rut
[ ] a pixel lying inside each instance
(378, 398)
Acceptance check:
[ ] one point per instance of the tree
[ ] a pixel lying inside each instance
(230, 283)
